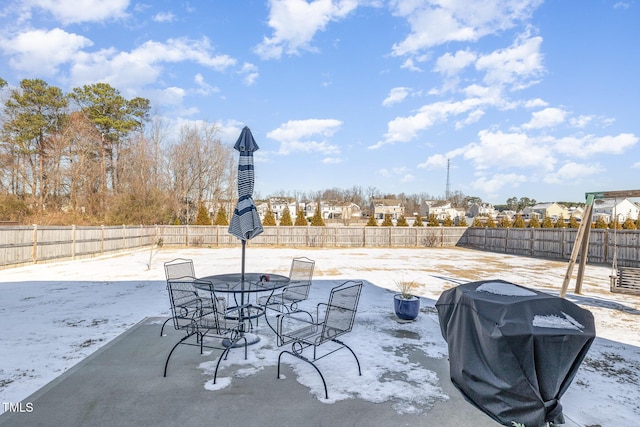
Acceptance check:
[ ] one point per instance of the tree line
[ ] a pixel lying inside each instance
(92, 156)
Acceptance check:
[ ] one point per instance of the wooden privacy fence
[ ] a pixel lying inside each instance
(29, 244)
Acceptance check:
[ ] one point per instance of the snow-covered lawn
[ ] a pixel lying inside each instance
(56, 314)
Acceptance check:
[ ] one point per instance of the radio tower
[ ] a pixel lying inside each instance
(446, 192)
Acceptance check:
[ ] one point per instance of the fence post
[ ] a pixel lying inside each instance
(34, 251)
(102, 239)
(124, 237)
(73, 242)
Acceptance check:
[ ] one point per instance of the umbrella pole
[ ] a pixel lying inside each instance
(244, 243)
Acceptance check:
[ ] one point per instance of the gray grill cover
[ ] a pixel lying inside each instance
(513, 351)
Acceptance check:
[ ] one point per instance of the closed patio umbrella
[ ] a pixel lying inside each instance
(245, 222)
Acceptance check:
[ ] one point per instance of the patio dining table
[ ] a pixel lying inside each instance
(242, 286)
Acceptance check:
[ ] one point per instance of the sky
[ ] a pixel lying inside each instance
(497, 99)
(69, 325)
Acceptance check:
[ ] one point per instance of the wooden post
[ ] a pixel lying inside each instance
(34, 250)
(73, 242)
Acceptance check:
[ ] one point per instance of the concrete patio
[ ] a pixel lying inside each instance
(122, 385)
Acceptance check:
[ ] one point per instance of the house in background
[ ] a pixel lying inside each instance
(552, 210)
(609, 208)
(482, 209)
(441, 209)
(382, 207)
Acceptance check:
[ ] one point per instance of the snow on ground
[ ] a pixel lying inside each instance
(56, 314)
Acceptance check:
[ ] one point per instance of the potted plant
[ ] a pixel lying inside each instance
(406, 304)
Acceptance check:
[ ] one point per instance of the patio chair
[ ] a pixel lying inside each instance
(174, 269)
(303, 331)
(194, 318)
(297, 290)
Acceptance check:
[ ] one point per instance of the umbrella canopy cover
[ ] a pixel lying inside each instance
(245, 222)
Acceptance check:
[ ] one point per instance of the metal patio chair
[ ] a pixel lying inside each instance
(202, 320)
(297, 290)
(175, 269)
(333, 319)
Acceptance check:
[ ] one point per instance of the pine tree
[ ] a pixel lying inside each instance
(433, 221)
(317, 220)
(476, 222)
(600, 223)
(301, 219)
(372, 222)
(547, 222)
(221, 217)
(402, 222)
(505, 222)
(629, 224)
(573, 222)
(386, 222)
(462, 222)
(534, 222)
(560, 222)
(269, 218)
(447, 221)
(286, 217)
(203, 216)
(519, 222)
(615, 224)
(490, 223)
(638, 223)
(418, 221)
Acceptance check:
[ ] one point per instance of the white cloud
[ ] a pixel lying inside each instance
(636, 165)
(581, 121)
(295, 23)
(250, 73)
(517, 66)
(332, 160)
(588, 145)
(496, 182)
(549, 117)
(449, 64)
(42, 52)
(572, 172)
(396, 95)
(70, 11)
(434, 23)
(204, 87)
(164, 17)
(306, 136)
(143, 64)
(498, 150)
(403, 129)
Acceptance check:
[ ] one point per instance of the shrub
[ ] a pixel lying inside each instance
(317, 220)
(418, 221)
(447, 221)
(269, 218)
(286, 217)
(433, 221)
(490, 223)
(221, 217)
(372, 222)
(519, 222)
(534, 222)
(462, 222)
(301, 220)
(386, 222)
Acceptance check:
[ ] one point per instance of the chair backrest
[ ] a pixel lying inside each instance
(300, 279)
(185, 303)
(179, 267)
(341, 310)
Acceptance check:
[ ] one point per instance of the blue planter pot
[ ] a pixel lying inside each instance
(406, 309)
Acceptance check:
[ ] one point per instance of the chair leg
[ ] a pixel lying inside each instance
(324, 383)
(166, 364)
(224, 355)
(354, 355)
(165, 322)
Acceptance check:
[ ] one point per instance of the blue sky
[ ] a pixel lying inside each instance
(525, 98)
